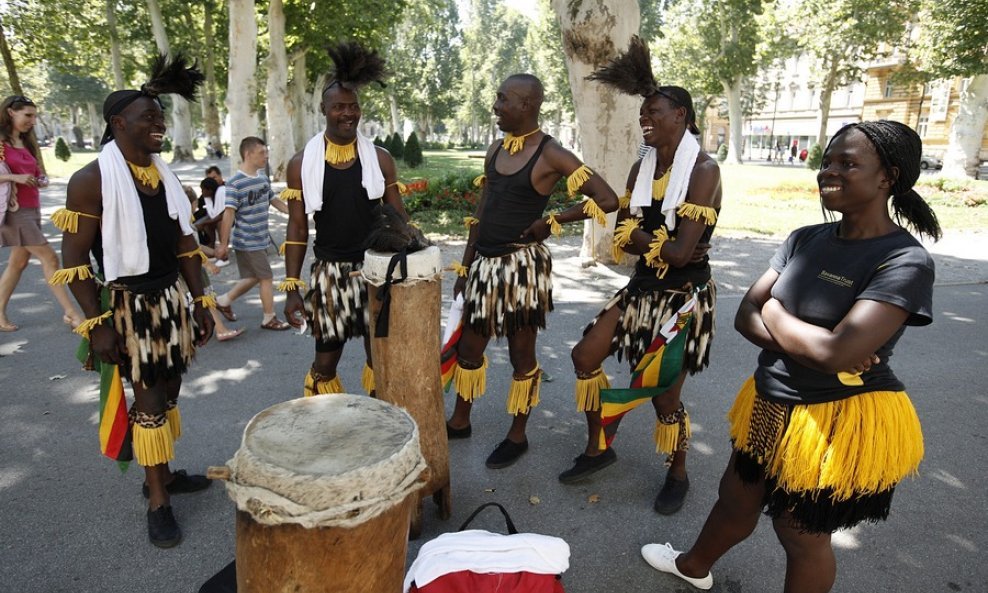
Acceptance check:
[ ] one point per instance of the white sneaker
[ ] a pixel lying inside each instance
(222, 263)
(662, 557)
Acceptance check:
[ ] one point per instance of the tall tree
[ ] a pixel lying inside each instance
(954, 42)
(8, 62)
(181, 131)
(279, 104)
(210, 110)
(116, 59)
(241, 97)
(593, 32)
(548, 62)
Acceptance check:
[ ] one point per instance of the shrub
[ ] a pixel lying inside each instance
(379, 142)
(722, 153)
(397, 146)
(814, 157)
(413, 152)
(166, 146)
(62, 151)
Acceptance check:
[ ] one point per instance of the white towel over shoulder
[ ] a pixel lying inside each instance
(125, 240)
(679, 179)
(314, 171)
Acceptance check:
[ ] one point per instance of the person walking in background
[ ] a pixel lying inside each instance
(21, 212)
(248, 197)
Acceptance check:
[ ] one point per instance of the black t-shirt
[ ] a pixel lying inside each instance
(821, 276)
(343, 223)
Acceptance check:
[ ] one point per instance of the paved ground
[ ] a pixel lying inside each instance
(70, 522)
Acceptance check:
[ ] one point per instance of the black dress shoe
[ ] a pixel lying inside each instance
(163, 530)
(183, 483)
(506, 454)
(585, 466)
(672, 495)
(458, 433)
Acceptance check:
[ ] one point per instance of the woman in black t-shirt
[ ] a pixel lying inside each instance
(824, 432)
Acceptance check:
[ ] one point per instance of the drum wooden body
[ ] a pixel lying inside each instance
(325, 487)
(406, 363)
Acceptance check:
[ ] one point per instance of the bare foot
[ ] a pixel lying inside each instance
(6, 326)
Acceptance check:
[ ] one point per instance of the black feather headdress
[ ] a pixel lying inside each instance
(355, 66)
(629, 72)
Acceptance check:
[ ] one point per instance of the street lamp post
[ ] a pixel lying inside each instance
(771, 134)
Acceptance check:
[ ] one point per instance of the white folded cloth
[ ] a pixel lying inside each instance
(314, 172)
(679, 179)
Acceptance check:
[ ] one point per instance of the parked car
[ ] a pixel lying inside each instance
(930, 162)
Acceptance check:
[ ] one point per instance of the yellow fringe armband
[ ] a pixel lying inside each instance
(87, 326)
(654, 256)
(291, 284)
(704, 214)
(64, 276)
(281, 248)
(624, 202)
(622, 237)
(460, 269)
(316, 384)
(206, 300)
(193, 253)
(576, 180)
(470, 383)
(524, 392)
(174, 420)
(587, 391)
(480, 181)
(667, 435)
(594, 211)
(67, 220)
(290, 193)
(469, 221)
(153, 445)
(554, 227)
(402, 188)
(367, 379)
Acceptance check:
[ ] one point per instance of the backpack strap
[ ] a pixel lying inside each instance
(507, 518)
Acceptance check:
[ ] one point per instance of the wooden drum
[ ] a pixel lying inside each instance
(325, 487)
(406, 363)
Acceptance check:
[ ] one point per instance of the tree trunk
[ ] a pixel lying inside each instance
(823, 114)
(316, 121)
(115, 60)
(241, 85)
(732, 90)
(281, 142)
(300, 98)
(594, 31)
(181, 131)
(95, 129)
(8, 62)
(210, 109)
(967, 130)
(395, 118)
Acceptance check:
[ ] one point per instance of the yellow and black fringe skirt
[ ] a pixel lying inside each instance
(830, 465)
(508, 293)
(158, 329)
(337, 302)
(644, 313)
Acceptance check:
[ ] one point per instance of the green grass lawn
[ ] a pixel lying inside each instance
(438, 163)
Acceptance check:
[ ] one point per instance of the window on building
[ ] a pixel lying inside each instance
(939, 100)
(923, 126)
(889, 89)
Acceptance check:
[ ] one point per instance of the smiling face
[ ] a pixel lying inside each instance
(851, 175)
(23, 118)
(141, 124)
(661, 120)
(342, 110)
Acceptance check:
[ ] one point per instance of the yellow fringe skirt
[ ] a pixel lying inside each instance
(830, 465)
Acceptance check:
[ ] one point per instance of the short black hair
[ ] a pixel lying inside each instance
(249, 143)
(208, 184)
(214, 169)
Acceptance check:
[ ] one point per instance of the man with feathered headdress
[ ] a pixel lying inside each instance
(341, 179)
(130, 212)
(662, 323)
(506, 271)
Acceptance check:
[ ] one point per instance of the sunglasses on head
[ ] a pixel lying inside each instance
(20, 99)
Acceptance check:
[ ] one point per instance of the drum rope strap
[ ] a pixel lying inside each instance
(384, 292)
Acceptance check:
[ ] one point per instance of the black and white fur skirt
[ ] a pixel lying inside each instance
(336, 302)
(158, 329)
(508, 293)
(643, 314)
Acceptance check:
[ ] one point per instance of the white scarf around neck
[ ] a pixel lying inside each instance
(314, 170)
(125, 240)
(679, 179)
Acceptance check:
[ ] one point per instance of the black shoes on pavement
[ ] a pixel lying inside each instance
(672, 495)
(585, 466)
(163, 530)
(182, 483)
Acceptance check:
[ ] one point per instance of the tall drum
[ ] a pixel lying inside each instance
(324, 488)
(406, 362)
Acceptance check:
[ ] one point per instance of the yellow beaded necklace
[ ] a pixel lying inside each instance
(336, 153)
(514, 143)
(145, 175)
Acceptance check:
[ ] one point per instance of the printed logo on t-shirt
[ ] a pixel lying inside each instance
(256, 196)
(836, 279)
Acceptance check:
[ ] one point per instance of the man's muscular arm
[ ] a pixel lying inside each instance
(390, 170)
(297, 238)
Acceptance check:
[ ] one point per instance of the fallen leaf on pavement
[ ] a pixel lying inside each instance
(534, 500)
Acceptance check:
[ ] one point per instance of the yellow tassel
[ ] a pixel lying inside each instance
(554, 227)
(66, 275)
(594, 211)
(402, 188)
(480, 181)
(514, 143)
(739, 417)
(336, 154)
(291, 284)
(153, 446)
(654, 256)
(576, 180)
(470, 383)
(174, 422)
(290, 193)
(622, 237)
(67, 220)
(281, 249)
(704, 214)
(624, 202)
(321, 386)
(460, 269)
(469, 221)
(667, 435)
(87, 326)
(207, 300)
(524, 392)
(193, 253)
(588, 391)
(660, 185)
(367, 379)
(145, 175)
